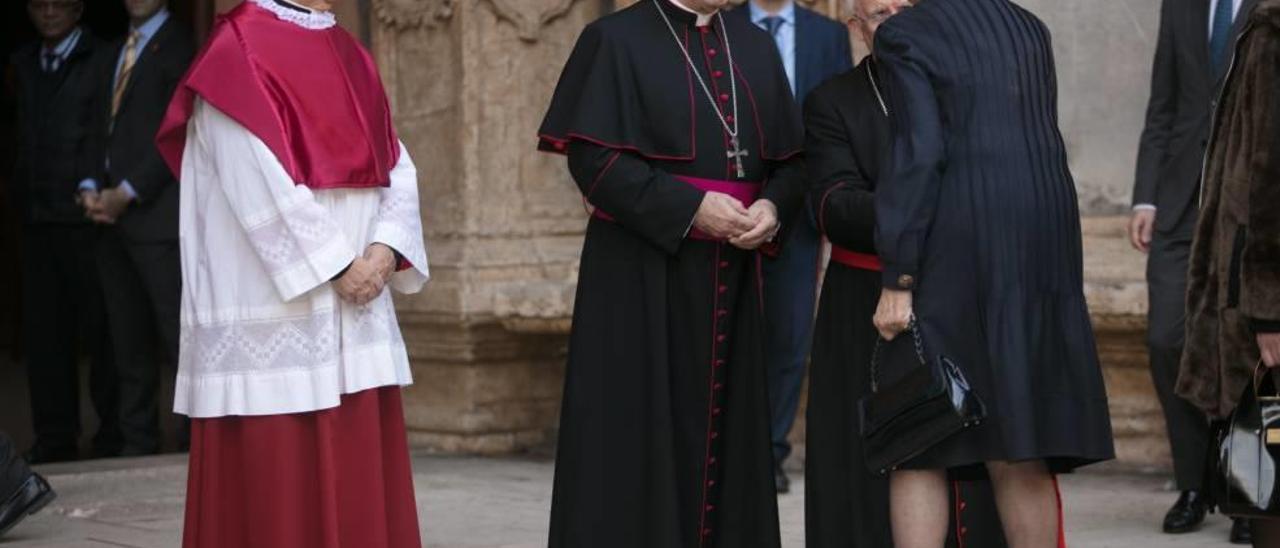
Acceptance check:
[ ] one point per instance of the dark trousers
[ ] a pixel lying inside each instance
(142, 282)
(62, 306)
(13, 470)
(1188, 427)
(790, 293)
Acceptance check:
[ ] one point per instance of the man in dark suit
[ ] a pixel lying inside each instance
(813, 50)
(137, 199)
(56, 78)
(1192, 55)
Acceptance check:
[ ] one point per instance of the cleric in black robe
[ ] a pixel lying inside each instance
(664, 434)
(846, 139)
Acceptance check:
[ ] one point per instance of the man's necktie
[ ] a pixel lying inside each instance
(772, 23)
(126, 69)
(1220, 38)
(50, 61)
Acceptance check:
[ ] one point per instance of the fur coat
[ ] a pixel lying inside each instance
(1234, 281)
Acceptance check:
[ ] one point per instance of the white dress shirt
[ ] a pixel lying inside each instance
(702, 20)
(51, 59)
(785, 38)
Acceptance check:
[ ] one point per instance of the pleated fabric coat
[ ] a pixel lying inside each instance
(977, 214)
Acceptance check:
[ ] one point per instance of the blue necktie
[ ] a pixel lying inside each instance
(1219, 39)
(772, 23)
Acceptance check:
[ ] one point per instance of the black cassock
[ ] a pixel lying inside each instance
(664, 433)
(847, 505)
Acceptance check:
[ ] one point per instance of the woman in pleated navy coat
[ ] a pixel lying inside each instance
(978, 230)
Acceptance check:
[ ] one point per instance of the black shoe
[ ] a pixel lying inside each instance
(1187, 514)
(1241, 531)
(45, 454)
(780, 481)
(30, 497)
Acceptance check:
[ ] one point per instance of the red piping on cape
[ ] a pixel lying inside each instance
(560, 144)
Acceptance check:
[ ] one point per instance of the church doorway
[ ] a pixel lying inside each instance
(108, 20)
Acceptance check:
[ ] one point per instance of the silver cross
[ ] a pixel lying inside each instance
(737, 154)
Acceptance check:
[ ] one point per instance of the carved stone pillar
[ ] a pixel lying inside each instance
(469, 82)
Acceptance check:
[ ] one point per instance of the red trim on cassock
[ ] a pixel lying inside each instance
(337, 477)
(708, 456)
(1062, 524)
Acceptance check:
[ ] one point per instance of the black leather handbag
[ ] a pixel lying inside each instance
(904, 419)
(1247, 453)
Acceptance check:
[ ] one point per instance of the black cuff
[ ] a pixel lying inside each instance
(1264, 326)
(897, 277)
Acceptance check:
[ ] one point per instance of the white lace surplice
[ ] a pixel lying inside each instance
(263, 332)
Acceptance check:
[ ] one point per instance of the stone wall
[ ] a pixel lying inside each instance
(470, 80)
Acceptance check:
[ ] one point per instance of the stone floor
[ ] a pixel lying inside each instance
(502, 503)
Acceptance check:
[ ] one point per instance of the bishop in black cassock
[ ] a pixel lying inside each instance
(664, 437)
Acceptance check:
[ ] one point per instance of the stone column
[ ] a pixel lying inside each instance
(469, 82)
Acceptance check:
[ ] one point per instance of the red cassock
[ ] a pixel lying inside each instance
(338, 478)
(332, 478)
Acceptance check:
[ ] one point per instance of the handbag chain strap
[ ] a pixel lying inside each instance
(914, 328)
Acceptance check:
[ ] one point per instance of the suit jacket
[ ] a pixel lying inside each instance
(56, 124)
(822, 48)
(846, 138)
(128, 144)
(1183, 93)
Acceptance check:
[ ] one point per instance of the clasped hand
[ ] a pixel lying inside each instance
(723, 216)
(104, 207)
(365, 279)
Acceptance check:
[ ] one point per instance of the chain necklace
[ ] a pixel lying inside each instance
(737, 154)
(871, 75)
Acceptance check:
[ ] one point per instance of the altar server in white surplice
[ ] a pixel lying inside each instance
(298, 216)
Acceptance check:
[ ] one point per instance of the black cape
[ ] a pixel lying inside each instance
(847, 136)
(664, 433)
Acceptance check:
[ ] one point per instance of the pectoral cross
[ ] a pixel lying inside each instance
(736, 155)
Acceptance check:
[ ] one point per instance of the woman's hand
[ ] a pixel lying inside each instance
(1269, 344)
(893, 314)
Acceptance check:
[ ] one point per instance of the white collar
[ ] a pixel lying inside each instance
(307, 18)
(703, 19)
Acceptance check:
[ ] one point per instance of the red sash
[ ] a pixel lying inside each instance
(853, 259)
(745, 191)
